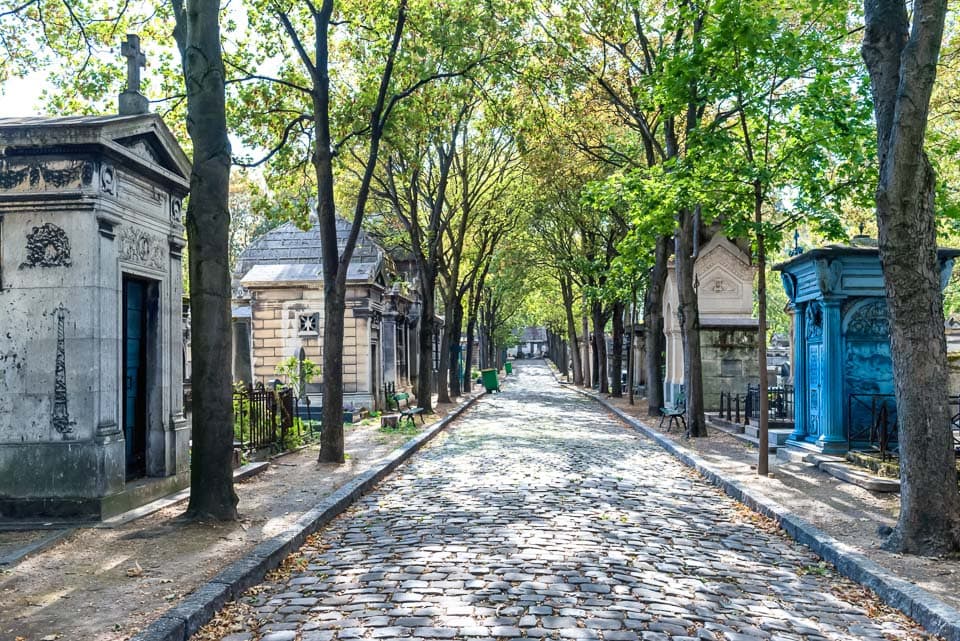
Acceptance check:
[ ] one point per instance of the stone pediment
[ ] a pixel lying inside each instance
(719, 282)
(142, 143)
(721, 252)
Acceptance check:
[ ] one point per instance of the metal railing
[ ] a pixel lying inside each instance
(872, 420)
(264, 418)
(741, 408)
(730, 407)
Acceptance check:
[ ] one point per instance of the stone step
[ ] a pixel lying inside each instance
(837, 467)
(777, 435)
(731, 427)
(755, 442)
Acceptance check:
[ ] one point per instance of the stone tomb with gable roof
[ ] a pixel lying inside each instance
(91, 233)
(280, 299)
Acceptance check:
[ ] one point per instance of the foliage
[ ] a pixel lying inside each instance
(296, 375)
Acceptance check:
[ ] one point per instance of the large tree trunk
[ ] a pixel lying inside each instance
(453, 341)
(566, 292)
(600, 347)
(444, 366)
(208, 234)
(690, 327)
(654, 340)
(332, 447)
(902, 70)
(616, 359)
(427, 327)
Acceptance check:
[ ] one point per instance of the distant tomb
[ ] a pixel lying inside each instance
(728, 328)
(844, 373)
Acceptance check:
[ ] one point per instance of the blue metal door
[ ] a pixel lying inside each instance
(134, 375)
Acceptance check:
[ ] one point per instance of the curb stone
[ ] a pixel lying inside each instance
(195, 610)
(934, 615)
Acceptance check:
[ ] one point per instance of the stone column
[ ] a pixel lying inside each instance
(832, 439)
(799, 371)
(388, 342)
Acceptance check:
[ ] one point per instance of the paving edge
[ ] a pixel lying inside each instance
(195, 610)
(41, 544)
(933, 614)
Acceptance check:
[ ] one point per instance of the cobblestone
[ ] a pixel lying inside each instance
(538, 515)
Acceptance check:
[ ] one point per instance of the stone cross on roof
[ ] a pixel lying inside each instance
(131, 100)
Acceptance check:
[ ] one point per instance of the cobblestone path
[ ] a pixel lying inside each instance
(540, 516)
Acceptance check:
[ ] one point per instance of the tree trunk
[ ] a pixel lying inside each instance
(763, 423)
(566, 292)
(332, 447)
(902, 69)
(616, 359)
(444, 366)
(425, 364)
(600, 347)
(453, 341)
(690, 327)
(468, 357)
(587, 347)
(632, 353)
(208, 234)
(654, 343)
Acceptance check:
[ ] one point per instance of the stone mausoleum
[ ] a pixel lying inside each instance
(91, 236)
(278, 310)
(91, 288)
(728, 329)
(843, 373)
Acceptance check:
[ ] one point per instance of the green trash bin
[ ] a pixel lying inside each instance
(490, 380)
(508, 368)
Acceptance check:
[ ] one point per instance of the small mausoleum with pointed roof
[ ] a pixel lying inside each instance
(278, 310)
(91, 234)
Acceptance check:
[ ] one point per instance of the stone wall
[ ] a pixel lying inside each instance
(277, 334)
(729, 362)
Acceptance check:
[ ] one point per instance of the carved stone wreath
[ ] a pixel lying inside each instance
(47, 246)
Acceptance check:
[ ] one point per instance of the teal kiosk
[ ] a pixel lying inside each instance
(843, 373)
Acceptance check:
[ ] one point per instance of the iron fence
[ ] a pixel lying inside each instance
(742, 408)
(264, 418)
(872, 421)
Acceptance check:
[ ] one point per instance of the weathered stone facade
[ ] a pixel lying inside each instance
(728, 330)
(281, 300)
(90, 305)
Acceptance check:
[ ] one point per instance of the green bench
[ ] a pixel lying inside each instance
(406, 411)
(675, 413)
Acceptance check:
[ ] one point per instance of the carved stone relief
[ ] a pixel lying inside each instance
(55, 175)
(108, 179)
(870, 321)
(722, 256)
(60, 419)
(143, 248)
(47, 246)
(829, 274)
(814, 322)
(176, 210)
